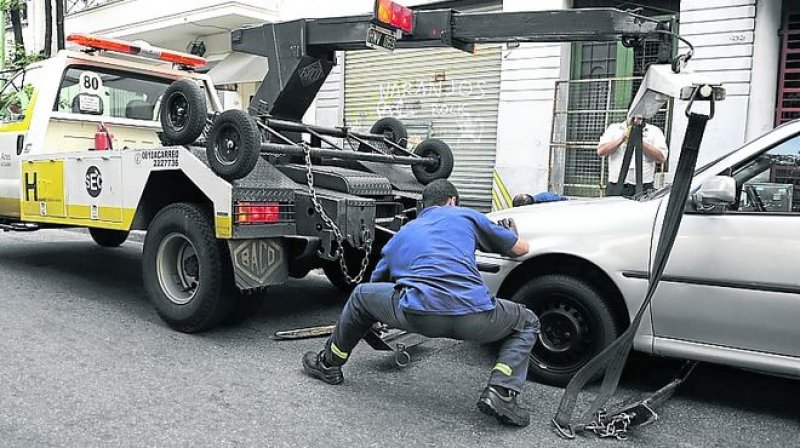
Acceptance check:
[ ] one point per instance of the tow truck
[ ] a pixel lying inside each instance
(236, 201)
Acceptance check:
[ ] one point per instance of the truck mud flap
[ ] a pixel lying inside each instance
(259, 262)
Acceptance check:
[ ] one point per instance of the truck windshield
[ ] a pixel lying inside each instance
(98, 91)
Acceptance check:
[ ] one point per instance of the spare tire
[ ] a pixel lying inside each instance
(183, 112)
(233, 145)
(441, 153)
(392, 129)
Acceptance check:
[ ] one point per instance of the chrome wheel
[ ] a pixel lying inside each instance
(178, 268)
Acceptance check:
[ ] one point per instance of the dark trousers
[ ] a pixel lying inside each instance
(627, 189)
(511, 323)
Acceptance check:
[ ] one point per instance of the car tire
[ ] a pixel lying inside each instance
(392, 129)
(233, 145)
(441, 152)
(576, 324)
(107, 237)
(182, 269)
(183, 112)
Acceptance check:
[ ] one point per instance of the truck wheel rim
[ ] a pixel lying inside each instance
(227, 145)
(567, 339)
(178, 268)
(177, 112)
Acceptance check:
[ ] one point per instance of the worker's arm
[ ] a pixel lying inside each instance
(381, 272)
(500, 238)
(610, 141)
(655, 146)
(520, 248)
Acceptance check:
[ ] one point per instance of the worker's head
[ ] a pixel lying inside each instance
(439, 192)
(522, 199)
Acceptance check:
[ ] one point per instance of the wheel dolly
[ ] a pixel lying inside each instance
(380, 337)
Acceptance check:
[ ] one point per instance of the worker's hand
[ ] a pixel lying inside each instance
(627, 133)
(509, 224)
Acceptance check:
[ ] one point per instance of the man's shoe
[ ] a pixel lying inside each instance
(312, 363)
(503, 408)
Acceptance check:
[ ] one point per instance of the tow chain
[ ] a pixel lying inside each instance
(339, 254)
(617, 427)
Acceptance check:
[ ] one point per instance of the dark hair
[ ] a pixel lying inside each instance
(522, 199)
(438, 192)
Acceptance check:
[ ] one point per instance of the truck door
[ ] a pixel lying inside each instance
(17, 100)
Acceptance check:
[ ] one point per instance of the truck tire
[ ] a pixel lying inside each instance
(233, 145)
(108, 238)
(352, 258)
(183, 112)
(576, 324)
(391, 128)
(439, 151)
(182, 269)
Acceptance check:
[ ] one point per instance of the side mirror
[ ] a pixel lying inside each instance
(717, 192)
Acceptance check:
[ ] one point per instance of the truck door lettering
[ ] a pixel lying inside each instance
(31, 186)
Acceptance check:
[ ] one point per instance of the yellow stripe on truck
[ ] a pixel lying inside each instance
(124, 225)
(224, 226)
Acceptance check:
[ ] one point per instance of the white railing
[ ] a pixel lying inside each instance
(76, 6)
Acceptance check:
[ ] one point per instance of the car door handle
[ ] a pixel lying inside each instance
(20, 143)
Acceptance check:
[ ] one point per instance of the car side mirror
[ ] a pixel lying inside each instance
(717, 193)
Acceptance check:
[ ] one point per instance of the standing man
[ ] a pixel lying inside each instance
(427, 282)
(613, 144)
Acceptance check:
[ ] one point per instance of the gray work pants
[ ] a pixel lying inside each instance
(511, 323)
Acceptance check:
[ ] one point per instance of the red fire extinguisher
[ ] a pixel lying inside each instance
(103, 138)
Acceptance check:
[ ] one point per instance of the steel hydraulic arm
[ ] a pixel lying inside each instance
(301, 53)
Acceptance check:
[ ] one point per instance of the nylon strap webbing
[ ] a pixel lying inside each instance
(634, 145)
(611, 361)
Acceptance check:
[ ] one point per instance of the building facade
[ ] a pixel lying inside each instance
(499, 108)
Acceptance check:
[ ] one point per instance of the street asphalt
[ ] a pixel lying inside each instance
(85, 362)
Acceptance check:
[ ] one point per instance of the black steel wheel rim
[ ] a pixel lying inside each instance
(434, 167)
(178, 111)
(569, 334)
(227, 145)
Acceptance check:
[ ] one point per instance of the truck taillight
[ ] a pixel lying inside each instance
(395, 15)
(121, 46)
(257, 212)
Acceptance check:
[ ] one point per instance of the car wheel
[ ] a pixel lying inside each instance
(392, 129)
(576, 324)
(108, 238)
(438, 151)
(182, 269)
(183, 112)
(233, 145)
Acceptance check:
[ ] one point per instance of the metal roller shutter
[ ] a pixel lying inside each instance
(441, 93)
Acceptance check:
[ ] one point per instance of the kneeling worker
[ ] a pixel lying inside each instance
(427, 282)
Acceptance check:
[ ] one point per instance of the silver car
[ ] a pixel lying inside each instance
(730, 292)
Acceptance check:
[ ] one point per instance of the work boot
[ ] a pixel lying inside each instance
(314, 364)
(503, 407)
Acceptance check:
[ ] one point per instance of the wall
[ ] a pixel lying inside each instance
(527, 88)
(722, 32)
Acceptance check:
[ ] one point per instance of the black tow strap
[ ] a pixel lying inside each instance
(633, 146)
(611, 361)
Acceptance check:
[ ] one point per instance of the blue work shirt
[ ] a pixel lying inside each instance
(433, 257)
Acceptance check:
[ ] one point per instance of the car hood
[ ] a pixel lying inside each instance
(582, 227)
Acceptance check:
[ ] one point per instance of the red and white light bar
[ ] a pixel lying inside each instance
(121, 46)
(394, 15)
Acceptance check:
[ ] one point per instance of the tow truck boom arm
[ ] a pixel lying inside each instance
(301, 53)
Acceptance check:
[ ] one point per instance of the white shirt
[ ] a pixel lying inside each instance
(651, 135)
